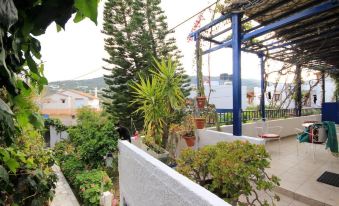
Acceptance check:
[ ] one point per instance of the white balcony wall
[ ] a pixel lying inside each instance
(145, 181)
(210, 136)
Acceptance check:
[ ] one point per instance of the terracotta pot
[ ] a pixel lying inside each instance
(200, 123)
(190, 140)
(201, 101)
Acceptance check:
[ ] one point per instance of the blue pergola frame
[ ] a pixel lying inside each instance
(236, 41)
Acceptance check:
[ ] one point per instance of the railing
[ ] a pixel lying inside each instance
(225, 116)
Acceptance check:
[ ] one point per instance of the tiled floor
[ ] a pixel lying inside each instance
(299, 173)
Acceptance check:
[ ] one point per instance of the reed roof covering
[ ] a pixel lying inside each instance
(312, 42)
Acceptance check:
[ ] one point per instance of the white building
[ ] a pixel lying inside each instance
(222, 95)
(63, 105)
(278, 95)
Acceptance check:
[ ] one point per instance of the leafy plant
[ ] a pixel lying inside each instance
(231, 170)
(26, 177)
(90, 185)
(93, 137)
(158, 98)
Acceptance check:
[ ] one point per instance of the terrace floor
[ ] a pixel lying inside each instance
(299, 173)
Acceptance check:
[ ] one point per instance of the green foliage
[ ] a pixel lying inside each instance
(71, 166)
(62, 149)
(93, 137)
(90, 184)
(25, 174)
(90, 140)
(26, 177)
(158, 98)
(136, 32)
(59, 126)
(230, 170)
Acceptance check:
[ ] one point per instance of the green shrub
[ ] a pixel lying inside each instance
(230, 170)
(62, 149)
(93, 137)
(89, 184)
(71, 167)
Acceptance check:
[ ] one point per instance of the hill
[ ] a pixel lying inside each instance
(89, 85)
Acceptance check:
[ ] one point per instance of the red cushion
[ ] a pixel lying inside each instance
(269, 136)
(310, 121)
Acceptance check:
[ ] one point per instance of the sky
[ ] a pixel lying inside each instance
(77, 52)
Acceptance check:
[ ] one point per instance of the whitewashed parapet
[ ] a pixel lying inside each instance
(145, 181)
(211, 137)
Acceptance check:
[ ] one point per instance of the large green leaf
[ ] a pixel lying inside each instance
(12, 164)
(87, 8)
(3, 174)
(8, 13)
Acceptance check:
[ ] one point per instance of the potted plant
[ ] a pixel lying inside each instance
(188, 130)
(201, 102)
(200, 122)
(185, 130)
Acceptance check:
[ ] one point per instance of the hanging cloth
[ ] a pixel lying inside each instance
(332, 140)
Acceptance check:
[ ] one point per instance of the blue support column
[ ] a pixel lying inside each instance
(236, 49)
(323, 99)
(262, 78)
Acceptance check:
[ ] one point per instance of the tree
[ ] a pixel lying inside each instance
(135, 32)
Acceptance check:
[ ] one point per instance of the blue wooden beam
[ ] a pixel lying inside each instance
(209, 25)
(262, 85)
(236, 45)
(327, 5)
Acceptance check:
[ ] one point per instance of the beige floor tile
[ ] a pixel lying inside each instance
(315, 190)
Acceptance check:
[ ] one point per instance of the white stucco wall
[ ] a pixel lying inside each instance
(145, 181)
(55, 137)
(222, 96)
(210, 136)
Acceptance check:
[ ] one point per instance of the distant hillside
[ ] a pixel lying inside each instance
(250, 83)
(88, 85)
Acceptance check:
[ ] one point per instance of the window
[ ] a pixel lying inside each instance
(63, 101)
(276, 97)
(79, 102)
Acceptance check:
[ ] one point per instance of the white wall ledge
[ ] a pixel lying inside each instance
(145, 181)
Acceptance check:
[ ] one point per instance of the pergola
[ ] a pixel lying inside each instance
(300, 32)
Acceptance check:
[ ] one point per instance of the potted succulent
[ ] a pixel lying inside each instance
(188, 130)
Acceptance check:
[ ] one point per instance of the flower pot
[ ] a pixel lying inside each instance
(190, 140)
(201, 101)
(200, 123)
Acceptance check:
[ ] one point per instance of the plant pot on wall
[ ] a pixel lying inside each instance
(201, 101)
(200, 123)
(190, 140)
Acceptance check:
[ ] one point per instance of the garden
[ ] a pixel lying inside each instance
(26, 176)
(81, 157)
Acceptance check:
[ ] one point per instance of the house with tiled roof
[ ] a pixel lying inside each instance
(64, 104)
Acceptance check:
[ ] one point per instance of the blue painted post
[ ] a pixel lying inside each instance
(262, 78)
(323, 99)
(236, 49)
